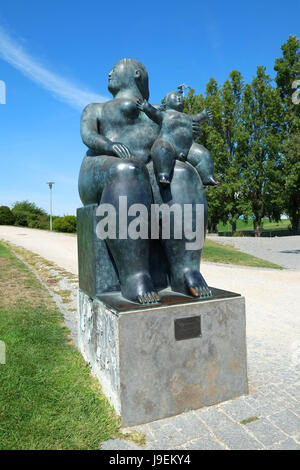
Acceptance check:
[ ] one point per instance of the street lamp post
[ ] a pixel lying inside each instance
(50, 183)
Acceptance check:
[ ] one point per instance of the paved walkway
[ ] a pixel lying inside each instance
(284, 251)
(273, 341)
(60, 248)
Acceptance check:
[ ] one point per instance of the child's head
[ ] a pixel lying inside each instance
(174, 100)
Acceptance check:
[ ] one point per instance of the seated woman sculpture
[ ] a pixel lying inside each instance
(118, 163)
(176, 133)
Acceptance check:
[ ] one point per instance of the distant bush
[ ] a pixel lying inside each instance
(21, 219)
(40, 221)
(65, 224)
(27, 207)
(28, 214)
(6, 216)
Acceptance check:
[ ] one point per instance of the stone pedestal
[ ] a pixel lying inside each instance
(161, 360)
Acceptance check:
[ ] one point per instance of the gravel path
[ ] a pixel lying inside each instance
(60, 248)
(273, 341)
(284, 251)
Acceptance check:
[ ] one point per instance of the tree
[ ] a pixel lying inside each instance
(28, 214)
(6, 216)
(222, 139)
(260, 141)
(235, 204)
(27, 207)
(291, 169)
(288, 71)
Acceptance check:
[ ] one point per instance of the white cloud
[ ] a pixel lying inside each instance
(61, 87)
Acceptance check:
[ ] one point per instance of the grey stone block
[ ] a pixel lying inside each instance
(119, 444)
(236, 438)
(148, 375)
(287, 421)
(214, 418)
(190, 427)
(238, 410)
(288, 444)
(205, 443)
(265, 432)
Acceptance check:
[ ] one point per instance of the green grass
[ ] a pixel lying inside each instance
(48, 399)
(267, 225)
(217, 253)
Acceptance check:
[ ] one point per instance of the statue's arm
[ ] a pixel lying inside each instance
(154, 114)
(205, 115)
(90, 129)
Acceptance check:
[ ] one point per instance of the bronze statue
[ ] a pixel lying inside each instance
(118, 163)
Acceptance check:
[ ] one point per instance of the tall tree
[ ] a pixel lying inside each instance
(232, 132)
(288, 72)
(262, 168)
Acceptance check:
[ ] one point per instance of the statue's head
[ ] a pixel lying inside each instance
(128, 73)
(174, 100)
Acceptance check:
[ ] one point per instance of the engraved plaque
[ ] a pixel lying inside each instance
(187, 328)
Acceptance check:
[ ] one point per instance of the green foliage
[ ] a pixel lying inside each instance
(65, 224)
(6, 216)
(254, 141)
(291, 169)
(27, 207)
(261, 173)
(288, 70)
(40, 222)
(27, 214)
(21, 219)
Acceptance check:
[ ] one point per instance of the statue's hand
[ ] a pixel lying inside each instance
(196, 128)
(120, 150)
(141, 104)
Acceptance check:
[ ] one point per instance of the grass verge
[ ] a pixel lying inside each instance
(48, 398)
(267, 225)
(217, 253)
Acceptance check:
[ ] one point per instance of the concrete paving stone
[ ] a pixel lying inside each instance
(295, 409)
(164, 445)
(204, 443)
(191, 427)
(236, 438)
(294, 392)
(155, 426)
(170, 435)
(237, 409)
(265, 432)
(177, 421)
(288, 444)
(119, 444)
(287, 421)
(214, 418)
(268, 405)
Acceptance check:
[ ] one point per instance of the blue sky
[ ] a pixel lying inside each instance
(55, 57)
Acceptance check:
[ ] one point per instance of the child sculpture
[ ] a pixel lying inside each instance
(176, 133)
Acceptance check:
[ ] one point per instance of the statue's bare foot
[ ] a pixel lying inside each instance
(192, 283)
(139, 288)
